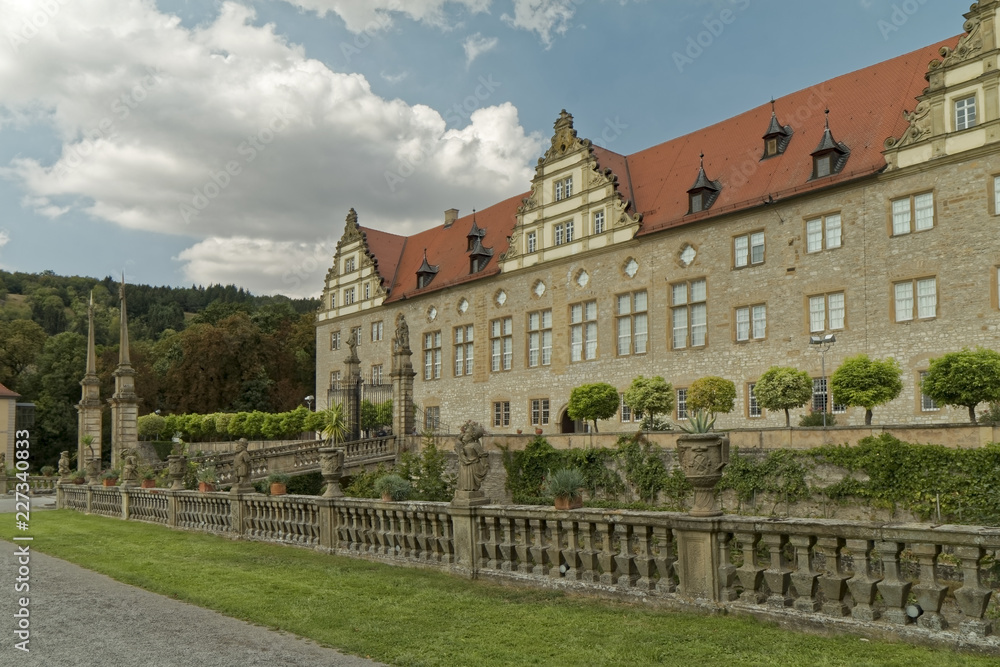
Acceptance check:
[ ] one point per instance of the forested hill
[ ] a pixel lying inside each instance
(195, 349)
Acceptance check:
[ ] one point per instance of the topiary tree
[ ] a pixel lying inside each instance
(650, 396)
(966, 378)
(591, 402)
(864, 382)
(711, 393)
(782, 388)
(150, 426)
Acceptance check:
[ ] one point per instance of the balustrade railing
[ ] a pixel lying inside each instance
(869, 577)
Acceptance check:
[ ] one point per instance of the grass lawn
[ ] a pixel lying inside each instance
(415, 617)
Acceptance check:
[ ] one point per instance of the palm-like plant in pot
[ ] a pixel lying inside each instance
(565, 486)
(392, 487)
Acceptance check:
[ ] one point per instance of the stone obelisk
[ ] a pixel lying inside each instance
(89, 407)
(124, 402)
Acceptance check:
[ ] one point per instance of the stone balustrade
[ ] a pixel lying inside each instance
(919, 581)
(36, 483)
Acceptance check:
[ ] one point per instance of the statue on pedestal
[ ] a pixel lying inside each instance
(473, 464)
(130, 471)
(64, 469)
(242, 468)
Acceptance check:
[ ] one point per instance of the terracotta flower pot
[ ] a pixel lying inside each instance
(568, 502)
(278, 489)
(148, 484)
(386, 498)
(109, 482)
(538, 431)
(205, 487)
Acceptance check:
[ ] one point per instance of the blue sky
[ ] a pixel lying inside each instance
(188, 141)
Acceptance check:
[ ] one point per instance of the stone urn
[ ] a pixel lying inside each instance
(331, 464)
(702, 457)
(176, 466)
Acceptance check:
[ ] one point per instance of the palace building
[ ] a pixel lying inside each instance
(866, 206)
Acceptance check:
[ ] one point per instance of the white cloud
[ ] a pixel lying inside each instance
(4, 237)
(393, 78)
(544, 17)
(476, 45)
(226, 131)
(376, 15)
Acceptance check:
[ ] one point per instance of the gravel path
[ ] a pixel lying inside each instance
(81, 618)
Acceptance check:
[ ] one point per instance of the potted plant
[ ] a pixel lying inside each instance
(48, 471)
(278, 482)
(702, 455)
(78, 477)
(110, 477)
(148, 476)
(392, 487)
(206, 479)
(564, 485)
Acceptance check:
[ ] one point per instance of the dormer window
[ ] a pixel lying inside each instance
(426, 273)
(564, 188)
(704, 192)
(476, 233)
(777, 137)
(479, 257)
(830, 156)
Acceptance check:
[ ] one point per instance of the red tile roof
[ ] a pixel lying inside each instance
(7, 393)
(447, 249)
(865, 109)
(386, 248)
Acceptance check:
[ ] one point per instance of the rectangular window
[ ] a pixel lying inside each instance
(367, 290)
(819, 399)
(599, 222)
(626, 413)
(927, 403)
(583, 331)
(748, 249)
(823, 233)
(558, 238)
(563, 233)
(996, 200)
(501, 413)
(539, 338)
(697, 201)
(334, 379)
(335, 340)
(826, 312)
(356, 332)
(376, 331)
(532, 241)
(432, 417)
(501, 344)
(751, 322)
(753, 408)
(633, 325)
(923, 307)
(564, 188)
(965, 113)
(377, 374)
(333, 300)
(463, 350)
(682, 404)
(348, 296)
(348, 265)
(539, 412)
(689, 312)
(913, 213)
(432, 355)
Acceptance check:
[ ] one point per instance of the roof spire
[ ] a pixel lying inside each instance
(91, 348)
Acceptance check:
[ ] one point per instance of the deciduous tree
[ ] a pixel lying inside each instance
(783, 388)
(966, 378)
(864, 382)
(591, 402)
(650, 397)
(711, 393)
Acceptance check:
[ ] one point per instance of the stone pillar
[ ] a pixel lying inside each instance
(697, 563)
(125, 502)
(328, 524)
(352, 376)
(464, 523)
(173, 505)
(237, 511)
(402, 374)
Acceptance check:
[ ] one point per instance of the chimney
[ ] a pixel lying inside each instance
(450, 216)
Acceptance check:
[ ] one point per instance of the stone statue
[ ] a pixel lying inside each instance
(242, 467)
(352, 344)
(401, 341)
(474, 462)
(3, 463)
(130, 471)
(64, 469)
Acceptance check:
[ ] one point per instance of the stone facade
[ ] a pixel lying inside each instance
(943, 264)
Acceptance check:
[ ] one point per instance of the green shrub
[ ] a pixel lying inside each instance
(393, 486)
(563, 483)
(816, 419)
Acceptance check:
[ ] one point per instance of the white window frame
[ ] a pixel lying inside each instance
(376, 374)
(501, 413)
(827, 312)
(751, 322)
(583, 331)
(539, 411)
(632, 323)
(348, 296)
(915, 299)
(432, 355)
(965, 113)
(689, 314)
(376, 331)
(910, 213)
(824, 233)
(754, 411)
(532, 241)
(681, 403)
(821, 389)
(563, 188)
(540, 338)
(748, 249)
(335, 340)
(349, 265)
(599, 227)
(501, 344)
(463, 336)
(927, 404)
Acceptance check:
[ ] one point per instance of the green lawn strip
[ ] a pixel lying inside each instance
(416, 617)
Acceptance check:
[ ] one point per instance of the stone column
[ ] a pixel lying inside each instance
(697, 563)
(328, 524)
(402, 375)
(352, 375)
(464, 523)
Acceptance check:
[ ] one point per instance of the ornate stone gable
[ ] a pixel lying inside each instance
(574, 203)
(967, 71)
